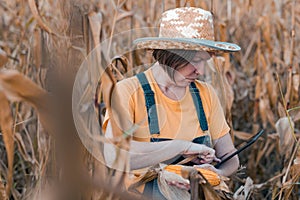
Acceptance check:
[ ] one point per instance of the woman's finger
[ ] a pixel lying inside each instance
(217, 159)
(190, 153)
(206, 157)
(207, 166)
(205, 161)
(184, 186)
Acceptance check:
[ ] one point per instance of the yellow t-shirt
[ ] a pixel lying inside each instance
(177, 118)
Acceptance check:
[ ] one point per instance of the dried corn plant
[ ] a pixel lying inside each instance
(45, 42)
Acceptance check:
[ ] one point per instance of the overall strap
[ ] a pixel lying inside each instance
(150, 104)
(199, 107)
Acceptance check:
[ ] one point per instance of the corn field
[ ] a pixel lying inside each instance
(45, 44)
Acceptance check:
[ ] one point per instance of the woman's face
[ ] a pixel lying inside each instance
(185, 75)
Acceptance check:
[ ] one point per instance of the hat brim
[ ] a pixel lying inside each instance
(185, 43)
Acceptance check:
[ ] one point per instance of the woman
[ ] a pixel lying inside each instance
(178, 115)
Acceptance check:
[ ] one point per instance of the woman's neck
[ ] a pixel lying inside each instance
(166, 84)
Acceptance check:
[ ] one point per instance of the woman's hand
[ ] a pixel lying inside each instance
(210, 167)
(202, 153)
(180, 185)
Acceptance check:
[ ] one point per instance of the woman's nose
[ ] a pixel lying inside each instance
(199, 67)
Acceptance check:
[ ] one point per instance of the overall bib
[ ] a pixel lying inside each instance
(151, 188)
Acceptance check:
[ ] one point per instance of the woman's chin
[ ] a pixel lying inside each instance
(185, 83)
(189, 81)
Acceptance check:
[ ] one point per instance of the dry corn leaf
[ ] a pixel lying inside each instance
(266, 112)
(176, 170)
(124, 15)
(242, 135)
(18, 87)
(107, 85)
(44, 148)
(192, 3)
(177, 4)
(258, 88)
(285, 131)
(37, 17)
(267, 32)
(3, 58)
(246, 55)
(154, 12)
(262, 111)
(271, 87)
(29, 142)
(262, 152)
(209, 192)
(281, 110)
(297, 117)
(272, 147)
(288, 87)
(287, 48)
(296, 82)
(229, 93)
(244, 192)
(119, 69)
(22, 148)
(2, 190)
(95, 20)
(172, 192)
(292, 31)
(6, 125)
(272, 90)
(293, 181)
(297, 159)
(37, 48)
(218, 80)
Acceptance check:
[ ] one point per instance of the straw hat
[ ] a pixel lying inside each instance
(187, 28)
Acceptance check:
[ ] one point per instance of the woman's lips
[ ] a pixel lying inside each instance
(191, 79)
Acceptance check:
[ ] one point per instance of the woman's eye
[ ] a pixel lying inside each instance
(197, 61)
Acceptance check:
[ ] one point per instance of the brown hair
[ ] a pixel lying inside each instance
(173, 59)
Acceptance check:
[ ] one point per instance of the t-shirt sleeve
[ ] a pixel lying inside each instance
(121, 112)
(218, 126)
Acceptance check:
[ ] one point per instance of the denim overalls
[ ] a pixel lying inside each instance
(151, 188)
